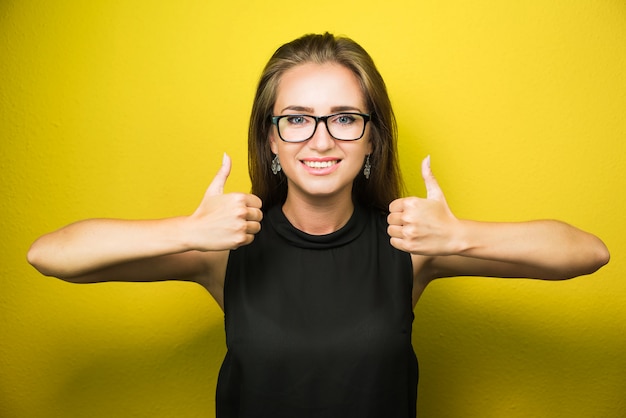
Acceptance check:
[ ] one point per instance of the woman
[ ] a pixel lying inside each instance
(319, 268)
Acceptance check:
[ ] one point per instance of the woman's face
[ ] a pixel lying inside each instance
(321, 166)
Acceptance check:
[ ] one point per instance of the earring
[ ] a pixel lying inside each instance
(367, 169)
(276, 165)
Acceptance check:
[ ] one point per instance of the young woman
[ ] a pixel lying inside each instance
(319, 268)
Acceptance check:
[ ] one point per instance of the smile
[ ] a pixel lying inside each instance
(320, 164)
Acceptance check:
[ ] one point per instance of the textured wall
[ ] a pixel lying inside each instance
(124, 108)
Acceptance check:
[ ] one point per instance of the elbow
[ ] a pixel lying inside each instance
(35, 259)
(601, 256)
(48, 261)
(38, 258)
(597, 257)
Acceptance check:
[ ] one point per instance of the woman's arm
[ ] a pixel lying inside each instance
(88, 246)
(543, 249)
(137, 250)
(546, 249)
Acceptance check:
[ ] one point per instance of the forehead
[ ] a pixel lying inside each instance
(319, 87)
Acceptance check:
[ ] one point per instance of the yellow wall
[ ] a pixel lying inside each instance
(124, 108)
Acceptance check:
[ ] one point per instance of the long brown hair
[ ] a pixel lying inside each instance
(385, 181)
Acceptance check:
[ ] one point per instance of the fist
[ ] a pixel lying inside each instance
(423, 226)
(225, 221)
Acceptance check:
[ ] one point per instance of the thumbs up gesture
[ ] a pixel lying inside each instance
(423, 226)
(225, 221)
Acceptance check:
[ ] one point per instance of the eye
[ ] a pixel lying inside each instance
(296, 120)
(344, 119)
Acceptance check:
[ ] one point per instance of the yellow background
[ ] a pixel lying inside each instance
(124, 108)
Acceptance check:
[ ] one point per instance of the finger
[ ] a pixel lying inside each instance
(395, 219)
(433, 191)
(217, 185)
(396, 206)
(253, 201)
(253, 227)
(254, 215)
(398, 243)
(395, 231)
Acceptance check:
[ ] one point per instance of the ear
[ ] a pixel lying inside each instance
(273, 145)
(370, 146)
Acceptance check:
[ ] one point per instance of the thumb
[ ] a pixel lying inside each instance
(433, 191)
(217, 185)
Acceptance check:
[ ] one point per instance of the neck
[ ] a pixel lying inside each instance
(318, 217)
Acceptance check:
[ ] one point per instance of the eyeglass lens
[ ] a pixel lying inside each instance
(343, 126)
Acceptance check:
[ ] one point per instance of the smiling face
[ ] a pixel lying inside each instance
(321, 166)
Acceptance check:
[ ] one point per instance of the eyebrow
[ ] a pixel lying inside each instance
(334, 109)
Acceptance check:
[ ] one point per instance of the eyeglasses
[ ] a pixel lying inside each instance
(348, 126)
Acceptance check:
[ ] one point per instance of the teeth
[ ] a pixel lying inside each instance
(319, 164)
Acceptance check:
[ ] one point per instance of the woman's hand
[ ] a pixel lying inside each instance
(424, 226)
(224, 221)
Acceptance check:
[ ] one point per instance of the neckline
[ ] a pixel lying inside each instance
(347, 233)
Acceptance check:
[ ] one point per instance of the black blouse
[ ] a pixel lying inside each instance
(318, 326)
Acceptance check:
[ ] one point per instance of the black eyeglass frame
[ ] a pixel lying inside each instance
(366, 118)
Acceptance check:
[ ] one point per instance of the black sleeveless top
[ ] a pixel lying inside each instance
(318, 326)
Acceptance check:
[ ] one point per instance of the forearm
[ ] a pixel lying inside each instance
(546, 249)
(90, 245)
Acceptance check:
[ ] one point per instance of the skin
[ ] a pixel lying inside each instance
(319, 201)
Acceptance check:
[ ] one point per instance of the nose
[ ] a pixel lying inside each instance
(321, 139)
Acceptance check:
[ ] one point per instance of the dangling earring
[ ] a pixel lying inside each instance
(368, 167)
(276, 165)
